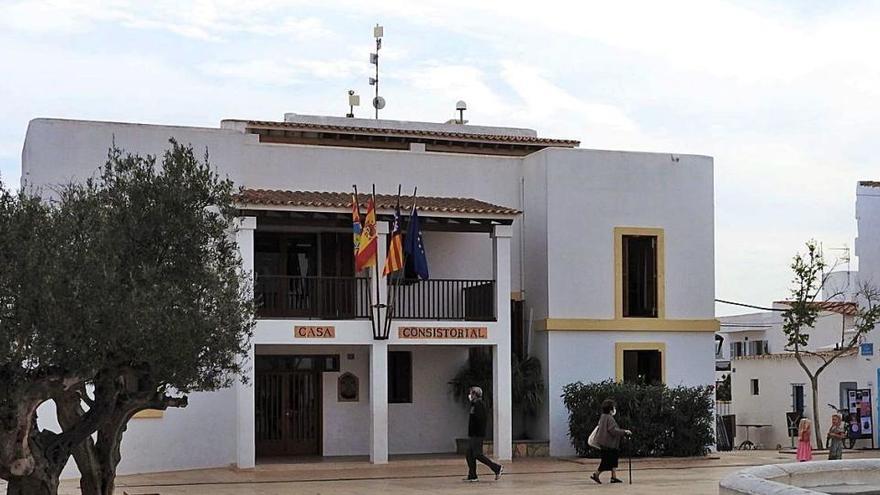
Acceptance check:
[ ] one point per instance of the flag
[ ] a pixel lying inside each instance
(366, 253)
(356, 222)
(394, 259)
(415, 246)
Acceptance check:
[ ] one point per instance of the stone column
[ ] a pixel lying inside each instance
(379, 358)
(501, 366)
(246, 436)
(379, 402)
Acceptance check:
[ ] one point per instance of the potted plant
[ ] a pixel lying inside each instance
(527, 388)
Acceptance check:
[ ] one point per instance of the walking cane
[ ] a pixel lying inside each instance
(630, 457)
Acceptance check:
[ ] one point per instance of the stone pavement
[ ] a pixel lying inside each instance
(441, 475)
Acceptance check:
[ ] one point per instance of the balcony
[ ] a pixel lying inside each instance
(322, 298)
(334, 298)
(443, 299)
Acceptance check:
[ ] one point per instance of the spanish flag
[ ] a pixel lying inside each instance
(366, 253)
(394, 260)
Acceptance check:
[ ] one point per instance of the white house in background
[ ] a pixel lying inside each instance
(598, 262)
(867, 245)
(767, 382)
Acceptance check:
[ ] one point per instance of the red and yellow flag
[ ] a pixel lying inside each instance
(394, 259)
(367, 246)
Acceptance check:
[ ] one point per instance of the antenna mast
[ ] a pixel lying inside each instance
(378, 101)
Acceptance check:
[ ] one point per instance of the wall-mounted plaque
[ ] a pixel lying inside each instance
(347, 387)
(443, 333)
(314, 332)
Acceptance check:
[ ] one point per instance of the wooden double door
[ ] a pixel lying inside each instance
(288, 413)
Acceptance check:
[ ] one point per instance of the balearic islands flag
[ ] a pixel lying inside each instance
(394, 259)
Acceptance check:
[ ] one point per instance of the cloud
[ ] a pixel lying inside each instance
(544, 100)
(205, 20)
(284, 72)
(455, 82)
(788, 103)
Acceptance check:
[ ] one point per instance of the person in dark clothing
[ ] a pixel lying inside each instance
(476, 433)
(608, 436)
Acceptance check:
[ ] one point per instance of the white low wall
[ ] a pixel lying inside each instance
(800, 478)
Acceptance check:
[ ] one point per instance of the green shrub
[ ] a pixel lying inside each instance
(666, 422)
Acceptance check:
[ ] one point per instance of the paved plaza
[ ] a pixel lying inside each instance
(433, 475)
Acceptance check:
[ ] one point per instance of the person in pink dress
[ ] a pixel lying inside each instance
(805, 446)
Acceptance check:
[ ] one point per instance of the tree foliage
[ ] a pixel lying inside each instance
(527, 382)
(118, 294)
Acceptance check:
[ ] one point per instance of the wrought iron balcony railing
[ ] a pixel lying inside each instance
(312, 297)
(443, 299)
(280, 296)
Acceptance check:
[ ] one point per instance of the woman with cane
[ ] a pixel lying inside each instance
(608, 436)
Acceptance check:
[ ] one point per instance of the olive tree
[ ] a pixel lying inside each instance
(120, 294)
(809, 279)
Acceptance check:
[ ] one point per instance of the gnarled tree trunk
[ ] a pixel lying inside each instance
(48, 457)
(31, 460)
(98, 460)
(32, 486)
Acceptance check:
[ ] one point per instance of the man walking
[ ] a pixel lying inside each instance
(476, 434)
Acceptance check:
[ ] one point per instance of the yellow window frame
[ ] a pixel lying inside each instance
(659, 233)
(619, 347)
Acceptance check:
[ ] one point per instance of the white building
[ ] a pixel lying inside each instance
(766, 380)
(867, 245)
(608, 255)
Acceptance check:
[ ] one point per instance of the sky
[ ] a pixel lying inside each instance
(785, 95)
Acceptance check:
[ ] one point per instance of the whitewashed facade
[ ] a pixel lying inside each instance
(555, 250)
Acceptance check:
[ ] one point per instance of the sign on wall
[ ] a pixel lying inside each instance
(314, 332)
(860, 408)
(867, 349)
(347, 387)
(443, 333)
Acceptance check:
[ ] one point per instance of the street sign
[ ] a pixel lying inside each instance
(867, 349)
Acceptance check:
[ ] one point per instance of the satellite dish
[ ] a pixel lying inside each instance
(378, 103)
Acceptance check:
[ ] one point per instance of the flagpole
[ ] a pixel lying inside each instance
(376, 266)
(391, 295)
(403, 268)
(357, 204)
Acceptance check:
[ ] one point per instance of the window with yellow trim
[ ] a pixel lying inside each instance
(643, 363)
(639, 278)
(643, 366)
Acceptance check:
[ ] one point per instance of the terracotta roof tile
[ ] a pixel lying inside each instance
(525, 140)
(844, 308)
(321, 199)
(791, 355)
